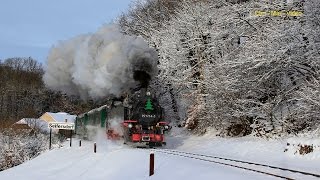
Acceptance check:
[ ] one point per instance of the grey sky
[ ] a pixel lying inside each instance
(31, 27)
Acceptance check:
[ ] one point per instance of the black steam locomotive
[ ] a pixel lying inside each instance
(142, 121)
(142, 116)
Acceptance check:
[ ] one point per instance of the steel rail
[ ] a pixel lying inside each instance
(247, 162)
(226, 164)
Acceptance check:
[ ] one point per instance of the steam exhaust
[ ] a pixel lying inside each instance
(97, 65)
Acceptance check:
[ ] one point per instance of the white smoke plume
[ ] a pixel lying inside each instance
(99, 64)
(98, 135)
(115, 124)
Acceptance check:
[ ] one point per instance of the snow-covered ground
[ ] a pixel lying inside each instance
(253, 149)
(117, 161)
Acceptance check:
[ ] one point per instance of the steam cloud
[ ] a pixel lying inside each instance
(106, 62)
(115, 124)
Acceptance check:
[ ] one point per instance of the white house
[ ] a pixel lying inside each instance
(57, 117)
(42, 122)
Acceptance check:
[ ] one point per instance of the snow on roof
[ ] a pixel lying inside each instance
(62, 116)
(28, 120)
(94, 110)
(97, 109)
(35, 123)
(22, 121)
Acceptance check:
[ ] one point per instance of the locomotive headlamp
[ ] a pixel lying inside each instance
(130, 125)
(148, 93)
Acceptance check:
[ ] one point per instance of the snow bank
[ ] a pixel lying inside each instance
(308, 148)
(118, 162)
(114, 160)
(253, 149)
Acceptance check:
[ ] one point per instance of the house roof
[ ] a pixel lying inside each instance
(32, 123)
(42, 122)
(58, 117)
(22, 121)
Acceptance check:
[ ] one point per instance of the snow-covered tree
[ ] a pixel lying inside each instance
(238, 72)
(18, 146)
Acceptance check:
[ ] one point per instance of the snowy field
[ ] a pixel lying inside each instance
(117, 161)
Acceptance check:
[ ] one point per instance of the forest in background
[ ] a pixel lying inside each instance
(24, 95)
(222, 66)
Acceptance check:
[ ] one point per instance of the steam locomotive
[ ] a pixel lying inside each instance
(144, 120)
(141, 120)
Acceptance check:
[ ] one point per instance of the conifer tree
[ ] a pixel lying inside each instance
(149, 105)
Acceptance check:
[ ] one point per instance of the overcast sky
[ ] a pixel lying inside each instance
(31, 27)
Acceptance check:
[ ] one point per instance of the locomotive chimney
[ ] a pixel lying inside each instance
(143, 92)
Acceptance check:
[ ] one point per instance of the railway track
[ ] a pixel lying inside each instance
(278, 172)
